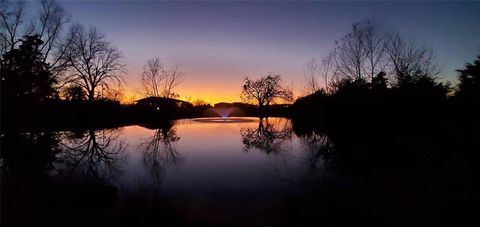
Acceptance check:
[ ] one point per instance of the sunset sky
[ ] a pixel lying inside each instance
(219, 43)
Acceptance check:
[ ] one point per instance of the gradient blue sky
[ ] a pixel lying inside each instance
(219, 43)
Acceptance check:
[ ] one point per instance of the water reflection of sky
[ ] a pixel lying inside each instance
(211, 159)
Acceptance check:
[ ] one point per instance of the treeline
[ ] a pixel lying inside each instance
(55, 72)
(47, 61)
(372, 76)
(380, 91)
(407, 142)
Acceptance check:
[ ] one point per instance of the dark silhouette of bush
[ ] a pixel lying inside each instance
(365, 120)
(469, 86)
(75, 93)
(32, 195)
(24, 75)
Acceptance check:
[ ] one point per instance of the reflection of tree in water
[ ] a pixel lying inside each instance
(306, 168)
(159, 151)
(320, 148)
(268, 136)
(28, 152)
(94, 152)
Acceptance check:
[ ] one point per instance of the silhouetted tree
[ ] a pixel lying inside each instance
(410, 63)
(469, 86)
(156, 81)
(173, 78)
(373, 41)
(379, 82)
(265, 91)
(367, 52)
(12, 15)
(311, 72)
(360, 54)
(48, 24)
(200, 102)
(328, 71)
(314, 72)
(24, 74)
(112, 92)
(152, 77)
(414, 70)
(351, 88)
(370, 60)
(94, 62)
(74, 92)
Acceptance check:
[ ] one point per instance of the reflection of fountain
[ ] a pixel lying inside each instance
(225, 120)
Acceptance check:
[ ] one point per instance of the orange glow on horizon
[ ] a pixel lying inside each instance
(208, 94)
(210, 87)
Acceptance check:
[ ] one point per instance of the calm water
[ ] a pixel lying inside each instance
(196, 158)
(197, 172)
(207, 171)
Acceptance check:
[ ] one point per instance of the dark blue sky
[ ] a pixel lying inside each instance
(218, 43)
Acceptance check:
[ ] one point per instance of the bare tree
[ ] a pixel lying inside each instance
(48, 24)
(158, 82)
(310, 73)
(361, 53)
(12, 15)
(410, 62)
(368, 53)
(113, 92)
(350, 55)
(52, 20)
(94, 61)
(314, 72)
(152, 77)
(328, 71)
(173, 78)
(373, 42)
(265, 90)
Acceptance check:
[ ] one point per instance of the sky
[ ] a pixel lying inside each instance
(219, 43)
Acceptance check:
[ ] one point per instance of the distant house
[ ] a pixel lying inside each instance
(160, 103)
(223, 105)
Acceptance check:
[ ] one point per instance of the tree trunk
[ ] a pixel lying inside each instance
(261, 113)
(91, 95)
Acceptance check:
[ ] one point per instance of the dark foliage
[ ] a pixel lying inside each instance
(469, 86)
(30, 196)
(24, 75)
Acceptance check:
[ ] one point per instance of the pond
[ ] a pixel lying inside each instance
(215, 171)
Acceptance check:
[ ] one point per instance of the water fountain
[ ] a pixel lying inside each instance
(224, 116)
(223, 112)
